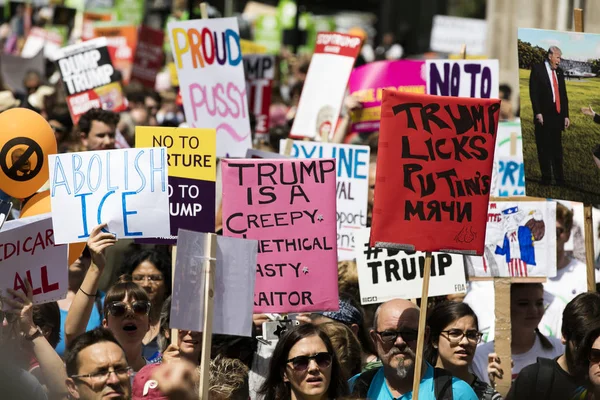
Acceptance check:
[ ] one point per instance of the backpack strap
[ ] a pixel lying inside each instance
(545, 378)
(442, 384)
(363, 382)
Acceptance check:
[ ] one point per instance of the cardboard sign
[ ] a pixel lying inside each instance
(520, 241)
(234, 284)
(89, 78)
(260, 72)
(39, 39)
(13, 67)
(191, 156)
(149, 56)
(368, 81)
(91, 17)
(209, 66)
(289, 207)
(508, 178)
(434, 172)
(463, 78)
(127, 189)
(448, 34)
(122, 41)
(28, 252)
(352, 187)
(249, 47)
(385, 274)
(325, 85)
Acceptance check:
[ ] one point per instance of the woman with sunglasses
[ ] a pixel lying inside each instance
(454, 334)
(589, 364)
(126, 305)
(304, 366)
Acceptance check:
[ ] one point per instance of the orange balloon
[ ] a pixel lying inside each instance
(26, 141)
(40, 204)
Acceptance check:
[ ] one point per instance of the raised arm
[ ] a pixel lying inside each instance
(81, 308)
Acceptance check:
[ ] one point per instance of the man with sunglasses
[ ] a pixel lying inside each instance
(394, 333)
(97, 367)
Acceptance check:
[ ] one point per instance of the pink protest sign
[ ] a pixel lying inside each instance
(289, 207)
(368, 81)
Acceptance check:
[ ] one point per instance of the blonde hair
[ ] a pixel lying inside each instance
(346, 345)
(348, 278)
(228, 379)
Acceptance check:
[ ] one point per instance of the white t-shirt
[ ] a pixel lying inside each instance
(480, 361)
(560, 290)
(480, 297)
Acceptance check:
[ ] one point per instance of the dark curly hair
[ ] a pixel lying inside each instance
(160, 258)
(97, 114)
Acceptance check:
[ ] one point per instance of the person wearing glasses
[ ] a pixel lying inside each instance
(453, 337)
(97, 367)
(151, 269)
(395, 331)
(589, 363)
(527, 342)
(126, 304)
(304, 366)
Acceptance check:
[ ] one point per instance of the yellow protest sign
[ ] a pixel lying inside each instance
(249, 47)
(191, 152)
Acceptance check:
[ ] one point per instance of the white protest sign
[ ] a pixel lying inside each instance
(209, 65)
(520, 240)
(448, 34)
(325, 85)
(385, 274)
(235, 274)
(352, 186)
(28, 252)
(127, 189)
(508, 176)
(463, 78)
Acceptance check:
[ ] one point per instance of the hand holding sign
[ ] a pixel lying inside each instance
(98, 242)
(21, 306)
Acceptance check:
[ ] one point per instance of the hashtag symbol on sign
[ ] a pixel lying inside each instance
(371, 251)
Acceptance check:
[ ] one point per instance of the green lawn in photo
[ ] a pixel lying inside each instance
(581, 173)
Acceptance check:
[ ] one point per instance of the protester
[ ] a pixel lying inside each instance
(47, 318)
(347, 347)
(304, 365)
(527, 342)
(228, 379)
(97, 367)
(560, 378)
(98, 129)
(151, 269)
(589, 361)
(454, 334)
(394, 332)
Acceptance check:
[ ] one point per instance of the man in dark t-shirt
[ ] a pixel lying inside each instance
(563, 377)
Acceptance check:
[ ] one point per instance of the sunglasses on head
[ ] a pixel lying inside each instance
(594, 356)
(301, 363)
(119, 308)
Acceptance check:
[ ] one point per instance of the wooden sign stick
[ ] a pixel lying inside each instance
(209, 264)
(422, 325)
(502, 332)
(463, 51)
(289, 145)
(174, 333)
(203, 10)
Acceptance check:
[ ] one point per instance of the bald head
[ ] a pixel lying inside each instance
(399, 309)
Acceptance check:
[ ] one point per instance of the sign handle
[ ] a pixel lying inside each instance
(422, 323)
(174, 333)
(203, 10)
(502, 334)
(463, 51)
(589, 248)
(289, 145)
(209, 263)
(513, 144)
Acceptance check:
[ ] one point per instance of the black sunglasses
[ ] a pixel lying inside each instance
(408, 335)
(594, 356)
(119, 308)
(301, 363)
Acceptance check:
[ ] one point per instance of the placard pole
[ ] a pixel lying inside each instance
(209, 264)
(422, 326)
(502, 332)
(289, 145)
(203, 10)
(174, 333)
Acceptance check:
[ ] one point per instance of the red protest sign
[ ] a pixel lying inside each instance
(149, 56)
(434, 172)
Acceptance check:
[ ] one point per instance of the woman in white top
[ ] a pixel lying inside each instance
(527, 343)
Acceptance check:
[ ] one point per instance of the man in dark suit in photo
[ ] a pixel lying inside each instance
(550, 105)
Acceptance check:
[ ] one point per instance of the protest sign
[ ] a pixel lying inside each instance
(520, 241)
(127, 189)
(92, 17)
(352, 187)
(385, 274)
(289, 207)
(260, 72)
(235, 274)
(191, 156)
(434, 172)
(508, 178)
(253, 153)
(249, 47)
(368, 81)
(39, 39)
(13, 67)
(325, 85)
(449, 33)
(28, 252)
(122, 41)
(463, 78)
(212, 81)
(149, 56)
(89, 78)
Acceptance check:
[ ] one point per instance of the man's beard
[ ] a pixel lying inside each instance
(402, 370)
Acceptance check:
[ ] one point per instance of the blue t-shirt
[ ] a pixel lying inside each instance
(379, 389)
(94, 322)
